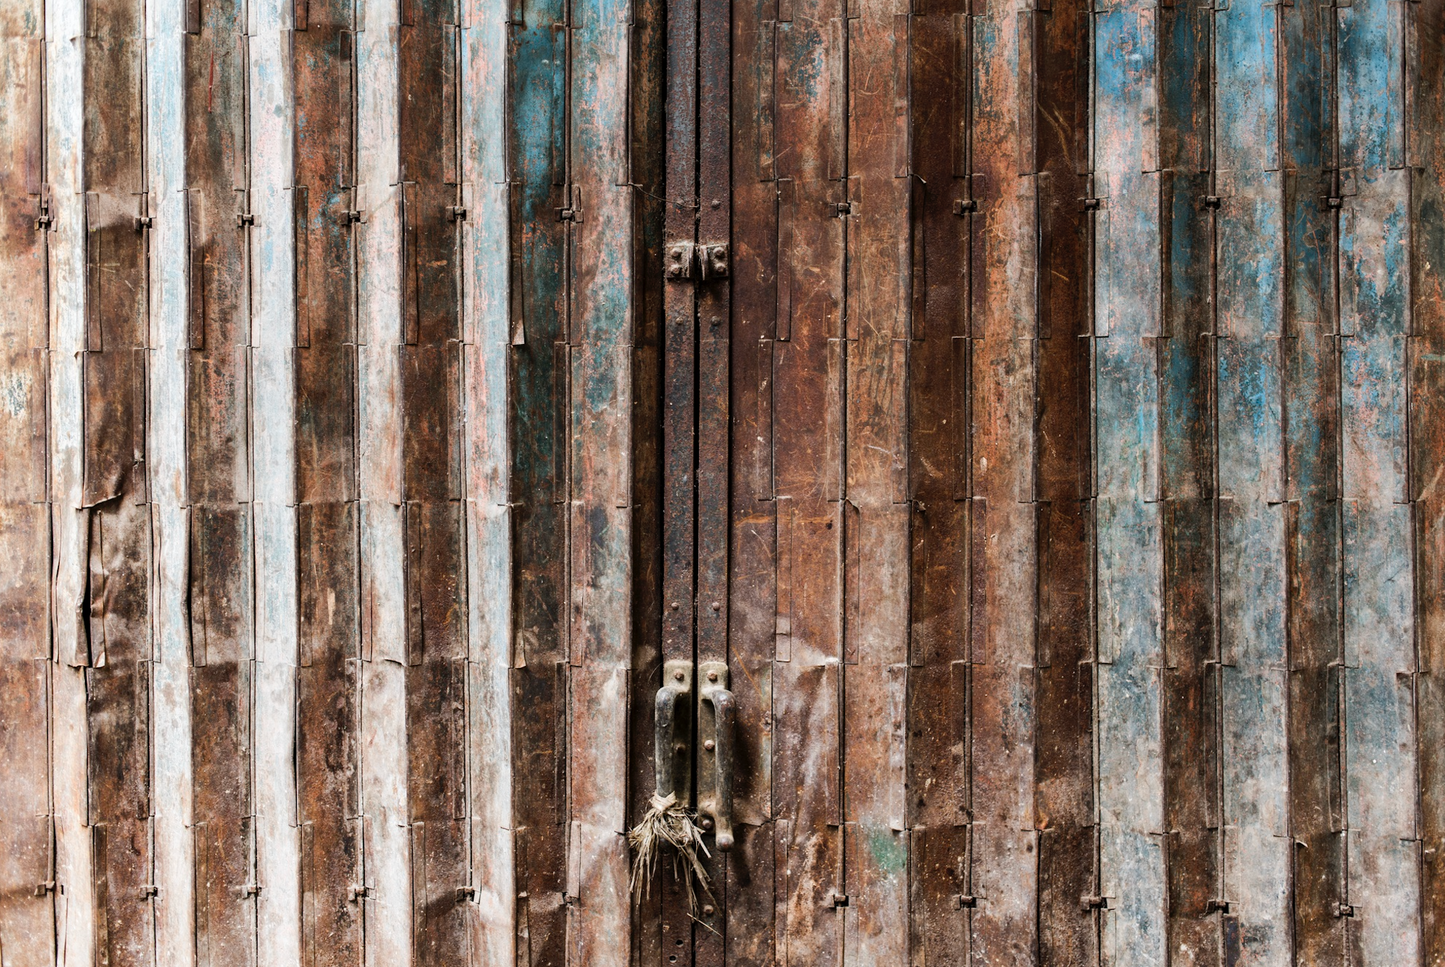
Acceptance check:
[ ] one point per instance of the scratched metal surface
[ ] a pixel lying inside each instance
(1055, 469)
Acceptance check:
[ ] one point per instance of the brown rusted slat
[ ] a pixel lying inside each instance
(1312, 455)
(714, 308)
(937, 724)
(116, 608)
(537, 404)
(327, 520)
(879, 296)
(1190, 689)
(651, 943)
(755, 623)
(1004, 587)
(27, 875)
(807, 435)
(1427, 443)
(431, 424)
(680, 454)
(218, 458)
(1063, 756)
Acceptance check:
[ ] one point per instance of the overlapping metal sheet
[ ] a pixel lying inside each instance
(1028, 413)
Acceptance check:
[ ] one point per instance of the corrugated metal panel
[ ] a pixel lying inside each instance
(1027, 413)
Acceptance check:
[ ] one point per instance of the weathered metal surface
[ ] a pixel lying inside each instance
(27, 877)
(1052, 471)
(808, 411)
(1311, 417)
(114, 643)
(435, 646)
(321, 67)
(1064, 775)
(1251, 523)
(937, 761)
(1379, 661)
(1129, 514)
(218, 449)
(1424, 138)
(1003, 487)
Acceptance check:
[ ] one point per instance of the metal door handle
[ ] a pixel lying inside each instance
(670, 739)
(716, 711)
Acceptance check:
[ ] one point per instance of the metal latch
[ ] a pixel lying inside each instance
(708, 261)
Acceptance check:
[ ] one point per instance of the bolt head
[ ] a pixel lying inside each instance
(706, 823)
(707, 910)
(712, 676)
(708, 745)
(678, 676)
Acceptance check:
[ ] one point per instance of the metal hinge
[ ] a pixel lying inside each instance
(964, 901)
(142, 222)
(688, 260)
(840, 899)
(44, 220)
(245, 218)
(1342, 909)
(457, 213)
(1087, 903)
(965, 206)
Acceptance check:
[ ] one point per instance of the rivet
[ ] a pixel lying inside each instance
(708, 745)
(706, 823)
(712, 676)
(707, 910)
(716, 606)
(678, 676)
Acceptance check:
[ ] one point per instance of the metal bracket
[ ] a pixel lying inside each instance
(680, 257)
(710, 259)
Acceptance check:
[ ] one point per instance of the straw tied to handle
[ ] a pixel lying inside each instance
(670, 820)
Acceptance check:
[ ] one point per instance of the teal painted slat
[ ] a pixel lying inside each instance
(1252, 576)
(601, 288)
(1126, 427)
(1379, 628)
(486, 331)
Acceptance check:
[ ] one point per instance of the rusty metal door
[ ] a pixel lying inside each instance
(975, 463)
